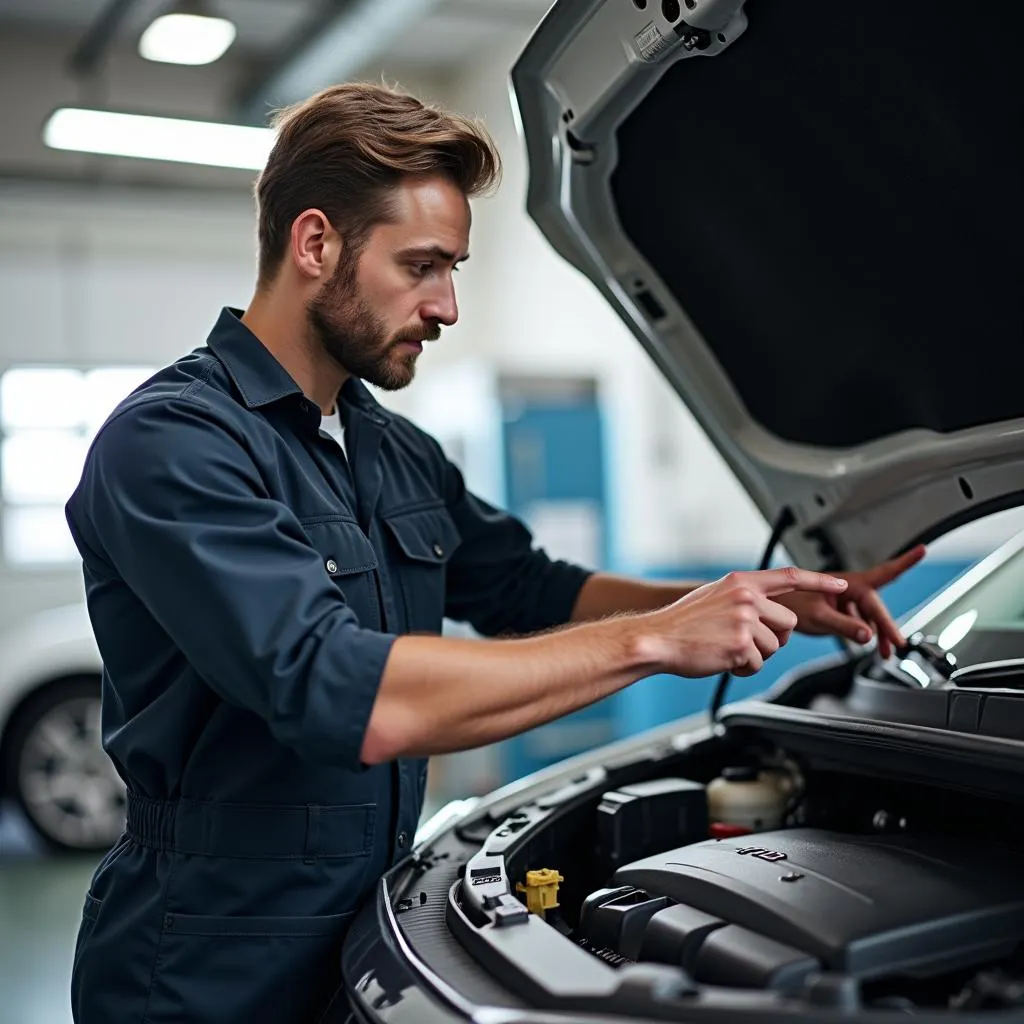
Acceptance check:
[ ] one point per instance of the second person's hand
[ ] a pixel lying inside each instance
(860, 613)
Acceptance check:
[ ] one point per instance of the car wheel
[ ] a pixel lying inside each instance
(62, 779)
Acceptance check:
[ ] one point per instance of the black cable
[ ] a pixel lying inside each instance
(782, 524)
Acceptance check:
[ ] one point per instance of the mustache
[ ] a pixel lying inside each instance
(429, 332)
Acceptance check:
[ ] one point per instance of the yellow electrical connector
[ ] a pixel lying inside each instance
(541, 890)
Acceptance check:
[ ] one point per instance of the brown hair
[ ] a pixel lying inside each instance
(342, 150)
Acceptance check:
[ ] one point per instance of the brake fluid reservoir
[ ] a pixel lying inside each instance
(749, 798)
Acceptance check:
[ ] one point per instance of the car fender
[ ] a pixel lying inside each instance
(49, 645)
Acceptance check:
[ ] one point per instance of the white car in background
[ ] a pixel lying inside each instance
(51, 760)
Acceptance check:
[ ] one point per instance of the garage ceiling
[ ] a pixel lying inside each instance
(262, 24)
(84, 52)
(274, 31)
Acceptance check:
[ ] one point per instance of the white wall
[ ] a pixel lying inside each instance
(98, 275)
(91, 276)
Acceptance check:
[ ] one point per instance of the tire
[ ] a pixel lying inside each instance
(58, 772)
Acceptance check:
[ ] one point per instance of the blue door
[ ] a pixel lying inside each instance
(555, 482)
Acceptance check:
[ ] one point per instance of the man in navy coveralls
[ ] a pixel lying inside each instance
(268, 557)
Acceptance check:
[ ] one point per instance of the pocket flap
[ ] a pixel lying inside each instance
(427, 535)
(343, 546)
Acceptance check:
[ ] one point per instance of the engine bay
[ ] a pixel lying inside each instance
(776, 910)
(771, 867)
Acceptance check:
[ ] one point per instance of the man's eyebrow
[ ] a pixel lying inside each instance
(434, 251)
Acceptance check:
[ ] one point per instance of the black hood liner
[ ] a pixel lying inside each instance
(837, 201)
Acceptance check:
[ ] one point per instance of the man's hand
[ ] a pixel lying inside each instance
(859, 613)
(734, 624)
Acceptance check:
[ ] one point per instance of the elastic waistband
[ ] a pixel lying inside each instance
(252, 831)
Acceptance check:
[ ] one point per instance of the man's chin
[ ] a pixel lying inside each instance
(396, 375)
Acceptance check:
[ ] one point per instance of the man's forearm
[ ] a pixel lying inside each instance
(441, 694)
(603, 595)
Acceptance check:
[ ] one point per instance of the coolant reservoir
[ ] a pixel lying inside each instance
(749, 798)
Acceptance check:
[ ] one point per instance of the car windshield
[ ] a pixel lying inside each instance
(986, 623)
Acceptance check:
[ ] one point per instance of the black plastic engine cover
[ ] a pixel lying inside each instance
(874, 905)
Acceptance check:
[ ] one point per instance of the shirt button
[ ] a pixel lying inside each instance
(403, 839)
(438, 550)
(332, 565)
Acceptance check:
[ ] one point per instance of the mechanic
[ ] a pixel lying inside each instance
(268, 555)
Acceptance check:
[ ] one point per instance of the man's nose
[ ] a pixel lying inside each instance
(442, 307)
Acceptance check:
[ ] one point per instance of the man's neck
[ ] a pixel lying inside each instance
(282, 328)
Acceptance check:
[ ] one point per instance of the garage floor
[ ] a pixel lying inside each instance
(40, 905)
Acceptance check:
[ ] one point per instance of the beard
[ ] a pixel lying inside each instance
(357, 338)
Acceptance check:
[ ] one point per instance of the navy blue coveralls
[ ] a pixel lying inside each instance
(245, 584)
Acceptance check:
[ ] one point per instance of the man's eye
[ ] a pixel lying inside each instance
(422, 269)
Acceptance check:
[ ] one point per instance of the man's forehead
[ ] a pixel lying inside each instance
(428, 213)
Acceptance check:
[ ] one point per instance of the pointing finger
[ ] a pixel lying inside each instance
(773, 582)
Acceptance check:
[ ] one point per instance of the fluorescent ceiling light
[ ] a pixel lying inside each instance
(158, 138)
(186, 39)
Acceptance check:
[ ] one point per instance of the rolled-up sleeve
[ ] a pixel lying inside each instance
(172, 504)
(498, 581)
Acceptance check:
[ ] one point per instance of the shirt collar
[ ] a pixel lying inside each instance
(355, 393)
(261, 379)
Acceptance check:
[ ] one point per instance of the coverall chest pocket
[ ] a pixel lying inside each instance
(349, 561)
(425, 541)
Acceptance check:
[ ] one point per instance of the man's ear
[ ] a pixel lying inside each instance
(315, 245)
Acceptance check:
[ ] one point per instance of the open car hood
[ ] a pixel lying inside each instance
(811, 216)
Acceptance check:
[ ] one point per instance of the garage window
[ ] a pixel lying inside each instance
(48, 417)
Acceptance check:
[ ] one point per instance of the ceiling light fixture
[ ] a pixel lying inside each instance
(158, 138)
(188, 36)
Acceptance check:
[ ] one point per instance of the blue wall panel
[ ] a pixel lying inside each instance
(554, 454)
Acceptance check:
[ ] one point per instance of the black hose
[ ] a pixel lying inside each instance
(785, 520)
